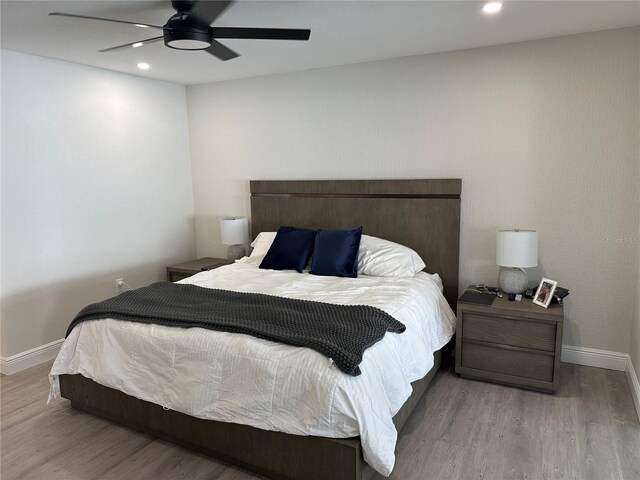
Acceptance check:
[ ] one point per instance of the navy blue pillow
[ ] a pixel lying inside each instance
(290, 250)
(336, 253)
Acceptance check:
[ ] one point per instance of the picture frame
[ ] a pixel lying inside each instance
(544, 292)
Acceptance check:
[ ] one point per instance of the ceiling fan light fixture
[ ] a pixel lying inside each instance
(190, 29)
(492, 7)
(187, 39)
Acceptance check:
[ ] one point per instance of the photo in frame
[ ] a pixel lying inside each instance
(545, 291)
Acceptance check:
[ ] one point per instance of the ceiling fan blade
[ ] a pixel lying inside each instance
(127, 45)
(206, 12)
(137, 24)
(261, 33)
(220, 51)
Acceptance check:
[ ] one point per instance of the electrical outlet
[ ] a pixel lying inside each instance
(119, 285)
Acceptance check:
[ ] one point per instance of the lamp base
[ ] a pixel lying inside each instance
(513, 280)
(235, 252)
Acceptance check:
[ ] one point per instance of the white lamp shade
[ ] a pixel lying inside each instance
(233, 230)
(517, 248)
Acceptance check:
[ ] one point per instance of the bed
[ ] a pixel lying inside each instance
(421, 214)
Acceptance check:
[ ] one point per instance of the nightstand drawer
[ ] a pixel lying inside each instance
(538, 366)
(517, 333)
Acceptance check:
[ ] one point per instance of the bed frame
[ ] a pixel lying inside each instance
(421, 214)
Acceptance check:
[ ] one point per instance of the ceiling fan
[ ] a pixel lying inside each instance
(190, 29)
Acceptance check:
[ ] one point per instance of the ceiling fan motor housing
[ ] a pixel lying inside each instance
(183, 32)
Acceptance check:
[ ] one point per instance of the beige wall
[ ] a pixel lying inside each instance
(96, 185)
(544, 135)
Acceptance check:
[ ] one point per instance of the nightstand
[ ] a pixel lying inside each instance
(184, 270)
(514, 343)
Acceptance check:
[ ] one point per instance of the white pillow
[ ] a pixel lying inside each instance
(376, 257)
(261, 244)
(382, 258)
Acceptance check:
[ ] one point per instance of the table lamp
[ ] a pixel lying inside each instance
(515, 251)
(232, 231)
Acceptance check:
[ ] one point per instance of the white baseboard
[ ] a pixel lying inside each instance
(634, 385)
(593, 357)
(30, 358)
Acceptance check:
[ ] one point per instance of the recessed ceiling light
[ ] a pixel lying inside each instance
(492, 7)
(141, 26)
(137, 44)
(144, 66)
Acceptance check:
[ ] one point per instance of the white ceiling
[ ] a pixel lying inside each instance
(342, 32)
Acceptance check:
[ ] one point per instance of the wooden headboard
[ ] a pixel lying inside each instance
(421, 214)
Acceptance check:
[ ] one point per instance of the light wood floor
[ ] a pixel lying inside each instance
(460, 430)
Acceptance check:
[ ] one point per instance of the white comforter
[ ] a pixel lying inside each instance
(238, 378)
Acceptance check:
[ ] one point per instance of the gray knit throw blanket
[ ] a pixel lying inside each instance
(339, 332)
